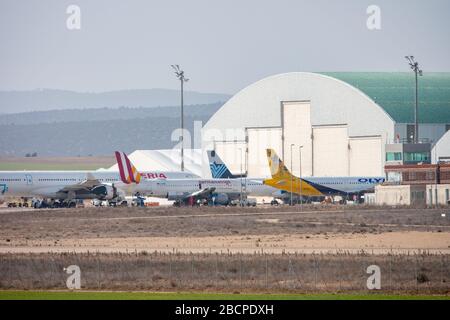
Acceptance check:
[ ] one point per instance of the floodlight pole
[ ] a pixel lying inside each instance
(416, 121)
(182, 125)
(418, 72)
(436, 177)
(180, 75)
(301, 183)
(241, 197)
(291, 176)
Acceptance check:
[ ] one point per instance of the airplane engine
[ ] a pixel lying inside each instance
(221, 199)
(279, 194)
(173, 196)
(105, 192)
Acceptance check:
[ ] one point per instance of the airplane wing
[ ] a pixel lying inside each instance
(87, 184)
(201, 193)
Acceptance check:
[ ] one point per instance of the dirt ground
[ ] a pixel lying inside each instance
(212, 230)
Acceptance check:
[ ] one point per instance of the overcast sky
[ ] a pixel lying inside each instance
(222, 45)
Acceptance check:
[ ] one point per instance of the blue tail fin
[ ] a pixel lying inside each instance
(218, 169)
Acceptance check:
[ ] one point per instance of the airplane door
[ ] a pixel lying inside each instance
(161, 187)
(29, 179)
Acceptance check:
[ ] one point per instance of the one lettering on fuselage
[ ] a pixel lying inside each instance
(149, 175)
(371, 180)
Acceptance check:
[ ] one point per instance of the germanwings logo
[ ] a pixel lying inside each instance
(217, 170)
(128, 172)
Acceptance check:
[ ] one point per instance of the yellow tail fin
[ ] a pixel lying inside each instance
(283, 179)
(277, 167)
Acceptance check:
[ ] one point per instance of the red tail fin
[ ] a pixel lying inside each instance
(128, 173)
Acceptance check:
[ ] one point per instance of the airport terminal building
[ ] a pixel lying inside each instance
(327, 124)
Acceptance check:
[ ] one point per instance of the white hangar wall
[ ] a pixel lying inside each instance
(441, 150)
(330, 153)
(364, 150)
(342, 131)
(258, 141)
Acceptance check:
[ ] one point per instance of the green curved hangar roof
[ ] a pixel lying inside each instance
(395, 93)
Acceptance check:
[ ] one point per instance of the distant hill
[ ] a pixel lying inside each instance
(203, 111)
(89, 138)
(49, 99)
(96, 131)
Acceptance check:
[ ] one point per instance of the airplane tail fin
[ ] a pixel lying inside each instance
(283, 179)
(128, 172)
(277, 168)
(219, 170)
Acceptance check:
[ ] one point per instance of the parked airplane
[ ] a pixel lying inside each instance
(222, 189)
(66, 186)
(256, 187)
(218, 167)
(283, 179)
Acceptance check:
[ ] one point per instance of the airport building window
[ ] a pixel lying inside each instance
(417, 157)
(393, 156)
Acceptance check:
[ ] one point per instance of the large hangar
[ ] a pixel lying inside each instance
(318, 124)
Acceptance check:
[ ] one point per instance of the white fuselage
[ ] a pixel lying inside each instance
(343, 185)
(179, 187)
(47, 184)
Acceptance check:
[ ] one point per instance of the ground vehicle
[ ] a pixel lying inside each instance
(274, 202)
(52, 203)
(249, 202)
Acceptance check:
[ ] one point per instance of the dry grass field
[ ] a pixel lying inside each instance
(249, 250)
(204, 229)
(233, 273)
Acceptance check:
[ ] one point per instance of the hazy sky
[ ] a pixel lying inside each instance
(222, 45)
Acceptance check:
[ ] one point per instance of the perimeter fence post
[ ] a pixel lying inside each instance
(170, 268)
(98, 272)
(315, 271)
(192, 269)
(240, 270)
(416, 273)
(267, 272)
(390, 271)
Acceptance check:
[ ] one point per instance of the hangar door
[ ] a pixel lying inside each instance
(330, 149)
(296, 131)
(366, 156)
(260, 139)
(233, 154)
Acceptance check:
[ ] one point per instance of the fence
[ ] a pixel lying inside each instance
(420, 273)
